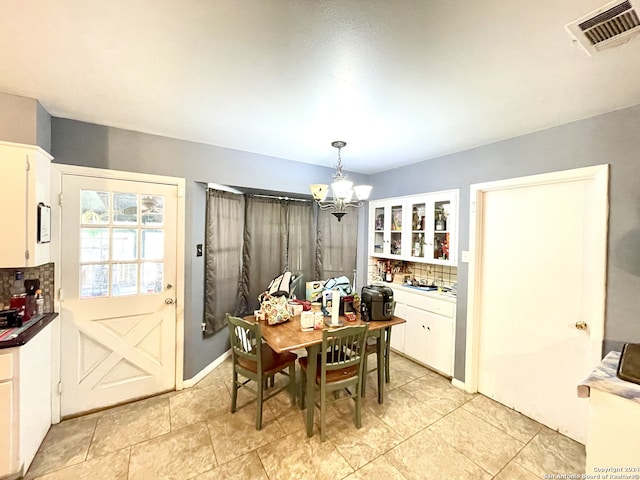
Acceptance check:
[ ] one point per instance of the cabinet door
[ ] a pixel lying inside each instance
(8, 448)
(439, 342)
(23, 184)
(417, 225)
(440, 232)
(386, 227)
(398, 331)
(13, 191)
(415, 341)
(429, 339)
(378, 240)
(397, 229)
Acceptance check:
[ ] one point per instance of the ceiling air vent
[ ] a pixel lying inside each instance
(610, 25)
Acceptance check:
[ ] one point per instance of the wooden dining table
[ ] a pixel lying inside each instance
(288, 336)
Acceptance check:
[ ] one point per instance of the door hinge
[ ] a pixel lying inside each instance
(60, 199)
(27, 165)
(59, 388)
(60, 294)
(26, 254)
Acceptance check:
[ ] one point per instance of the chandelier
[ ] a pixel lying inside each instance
(344, 193)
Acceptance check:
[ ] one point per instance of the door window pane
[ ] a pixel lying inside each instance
(94, 244)
(152, 210)
(152, 277)
(94, 207)
(94, 281)
(125, 244)
(152, 244)
(124, 279)
(125, 208)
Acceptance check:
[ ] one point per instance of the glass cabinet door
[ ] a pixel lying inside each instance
(442, 219)
(378, 230)
(396, 229)
(418, 229)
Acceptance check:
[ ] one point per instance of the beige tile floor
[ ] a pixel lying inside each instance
(426, 429)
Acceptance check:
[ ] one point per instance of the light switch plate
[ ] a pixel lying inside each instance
(199, 250)
(465, 256)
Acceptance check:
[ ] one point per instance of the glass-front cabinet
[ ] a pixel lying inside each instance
(417, 228)
(387, 220)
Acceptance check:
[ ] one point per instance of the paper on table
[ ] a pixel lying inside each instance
(335, 306)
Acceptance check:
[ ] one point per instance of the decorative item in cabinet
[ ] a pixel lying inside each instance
(396, 220)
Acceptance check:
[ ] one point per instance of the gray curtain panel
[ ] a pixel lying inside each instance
(264, 250)
(336, 245)
(223, 255)
(301, 241)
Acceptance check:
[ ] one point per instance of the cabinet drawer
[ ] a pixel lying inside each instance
(6, 366)
(400, 296)
(441, 307)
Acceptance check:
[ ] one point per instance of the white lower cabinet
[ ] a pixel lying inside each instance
(428, 335)
(25, 400)
(398, 331)
(8, 452)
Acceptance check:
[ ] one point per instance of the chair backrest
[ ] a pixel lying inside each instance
(343, 347)
(245, 339)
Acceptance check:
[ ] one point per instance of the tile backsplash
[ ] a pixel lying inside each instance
(44, 272)
(420, 271)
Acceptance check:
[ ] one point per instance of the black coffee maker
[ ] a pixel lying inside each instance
(31, 285)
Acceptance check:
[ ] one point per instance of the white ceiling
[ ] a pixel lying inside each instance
(400, 81)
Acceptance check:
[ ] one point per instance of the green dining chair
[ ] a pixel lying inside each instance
(340, 366)
(372, 347)
(256, 361)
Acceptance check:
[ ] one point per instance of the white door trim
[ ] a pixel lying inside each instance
(57, 172)
(600, 174)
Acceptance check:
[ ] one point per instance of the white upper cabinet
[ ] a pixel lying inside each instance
(24, 185)
(418, 228)
(387, 236)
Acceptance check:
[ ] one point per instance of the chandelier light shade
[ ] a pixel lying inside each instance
(344, 193)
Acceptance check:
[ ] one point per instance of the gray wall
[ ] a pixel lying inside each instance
(613, 138)
(24, 120)
(78, 143)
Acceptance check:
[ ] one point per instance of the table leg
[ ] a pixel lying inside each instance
(381, 364)
(312, 365)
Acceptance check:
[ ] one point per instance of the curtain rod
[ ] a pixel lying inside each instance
(276, 197)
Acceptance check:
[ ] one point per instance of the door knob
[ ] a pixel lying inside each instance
(168, 301)
(581, 325)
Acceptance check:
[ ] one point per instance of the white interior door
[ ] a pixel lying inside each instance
(118, 275)
(539, 278)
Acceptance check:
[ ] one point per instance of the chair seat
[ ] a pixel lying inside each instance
(272, 362)
(332, 375)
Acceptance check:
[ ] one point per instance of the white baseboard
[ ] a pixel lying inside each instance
(206, 370)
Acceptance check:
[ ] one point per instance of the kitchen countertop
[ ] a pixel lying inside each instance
(16, 337)
(448, 297)
(604, 378)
